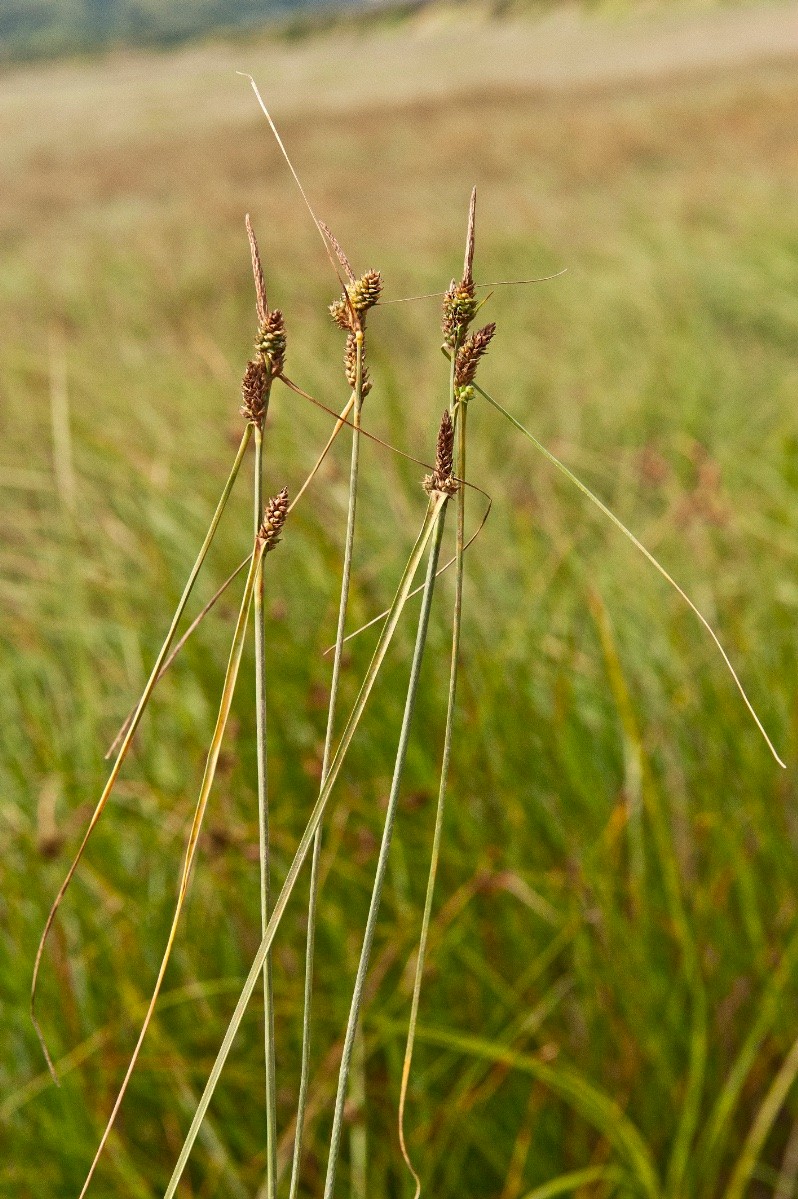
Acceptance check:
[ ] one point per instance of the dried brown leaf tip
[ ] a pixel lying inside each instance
(469, 354)
(468, 264)
(253, 391)
(339, 253)
(257, 273)
(270, 343)
(273, 520)
(442, 479)
(460, 302)
(349, 314)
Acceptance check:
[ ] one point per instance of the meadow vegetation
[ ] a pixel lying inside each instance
(611, 976)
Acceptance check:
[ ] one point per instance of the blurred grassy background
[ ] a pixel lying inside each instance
(618, 890)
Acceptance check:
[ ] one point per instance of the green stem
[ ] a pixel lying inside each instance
(310, 946)
(444, 780)
(306, 840)
(382, 861)
(263, 824)
(133, 726)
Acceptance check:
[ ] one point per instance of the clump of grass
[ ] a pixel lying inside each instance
(465, 350)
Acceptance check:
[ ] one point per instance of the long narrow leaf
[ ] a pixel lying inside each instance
(603, 1113)
(134, 723)
(547, 454)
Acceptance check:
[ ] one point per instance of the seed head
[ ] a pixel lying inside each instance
(442, 479)
(273, 520)
(350, 310)
(271, 342)
(366, 291)
(469, 354)
(350, 364)
(459, 307)
(253, 391)
(341, 314)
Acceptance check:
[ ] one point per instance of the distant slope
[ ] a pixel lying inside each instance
(45, 28)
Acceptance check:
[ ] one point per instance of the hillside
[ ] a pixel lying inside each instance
(46, 28)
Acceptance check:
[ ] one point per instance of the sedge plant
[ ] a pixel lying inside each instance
(464, 349)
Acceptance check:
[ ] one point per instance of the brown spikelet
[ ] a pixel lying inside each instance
(442, 479)
(459, 307)
(257, 272)
(350, 364)
(253, 391)
(341, 313)
(469, 354)
(349, 312)
(273, 520)
(271, 342)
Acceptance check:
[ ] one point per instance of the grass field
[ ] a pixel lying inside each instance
(613, 969)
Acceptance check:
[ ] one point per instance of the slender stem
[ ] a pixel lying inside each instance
(310, 947)
(263, 824)
(134, 724)
(386, 636)
(211, 763)
(178, 645)
(382, 861)
(461, 410)
(358, 1139)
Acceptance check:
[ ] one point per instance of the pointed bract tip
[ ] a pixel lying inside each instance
(257, 273)
(468, 264)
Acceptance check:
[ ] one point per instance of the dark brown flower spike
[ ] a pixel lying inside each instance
(442, 479)
(253, 391)
(273, 520)
(469, 354)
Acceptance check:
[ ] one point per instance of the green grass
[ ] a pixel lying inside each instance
(619, 848)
